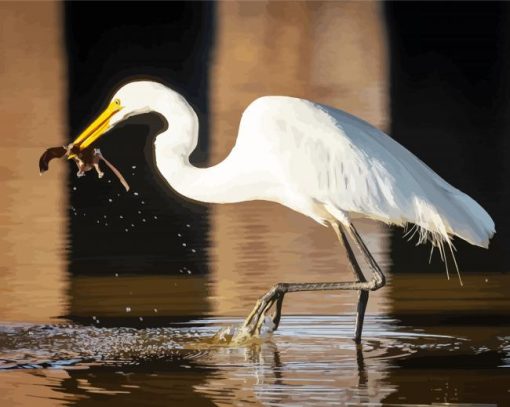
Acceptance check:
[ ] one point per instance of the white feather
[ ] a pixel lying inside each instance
(323, 155)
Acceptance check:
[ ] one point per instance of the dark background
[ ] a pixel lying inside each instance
(449, 106)
(169, 41)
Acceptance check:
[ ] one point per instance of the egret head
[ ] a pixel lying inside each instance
(131, 99)
(143, 96)
(136, 98)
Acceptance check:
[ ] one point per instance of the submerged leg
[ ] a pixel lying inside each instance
(255, 320)
(360, 314)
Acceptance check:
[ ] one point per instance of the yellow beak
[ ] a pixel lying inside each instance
(97, 127)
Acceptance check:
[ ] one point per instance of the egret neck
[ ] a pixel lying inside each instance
(221, 183)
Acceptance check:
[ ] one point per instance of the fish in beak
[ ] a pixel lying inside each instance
(81, 151)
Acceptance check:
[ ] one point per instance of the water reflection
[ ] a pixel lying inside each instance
(309, 360)
(137, 300)
(32, 216)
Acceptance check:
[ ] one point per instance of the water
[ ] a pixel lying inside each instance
(309, 361)
(132, 340)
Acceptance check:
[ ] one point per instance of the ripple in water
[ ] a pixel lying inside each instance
(32, 346)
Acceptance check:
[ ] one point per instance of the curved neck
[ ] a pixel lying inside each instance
(222, 183)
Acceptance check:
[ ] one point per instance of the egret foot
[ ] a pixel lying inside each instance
(257, 318)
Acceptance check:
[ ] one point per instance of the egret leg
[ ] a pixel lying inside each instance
(276, 294)
(358, 273)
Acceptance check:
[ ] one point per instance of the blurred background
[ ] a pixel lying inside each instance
(435, 76)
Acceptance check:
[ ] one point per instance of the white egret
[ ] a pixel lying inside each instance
(314, 159)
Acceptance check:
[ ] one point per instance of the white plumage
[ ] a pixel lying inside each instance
(317, 160)
(334, 158)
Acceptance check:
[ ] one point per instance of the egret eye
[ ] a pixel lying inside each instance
(117, 101)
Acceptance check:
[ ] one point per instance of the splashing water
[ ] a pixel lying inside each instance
(240, 335)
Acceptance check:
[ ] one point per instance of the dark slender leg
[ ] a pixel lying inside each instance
(360, 314)
(356, 269)
(377, 275)
(255, 320)
(278, 311)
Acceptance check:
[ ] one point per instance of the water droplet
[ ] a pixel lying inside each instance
(97, 221)
(193, 250)
(110, 200)
(104, 216)
(143, 202)
(189, 271)
(135, 193)
(120, 216)
(486, 280)
(155, 310)
(139, 212)
(127, 230)
(74, 188)
(132, 225)
(133, 166)
(116, 274)
(178, 234)
(188, 225)
(140, 318)
(128, 309)
(184, 244)
(143, 220)
(155, 217)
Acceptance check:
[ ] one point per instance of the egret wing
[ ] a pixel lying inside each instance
(332, 157)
